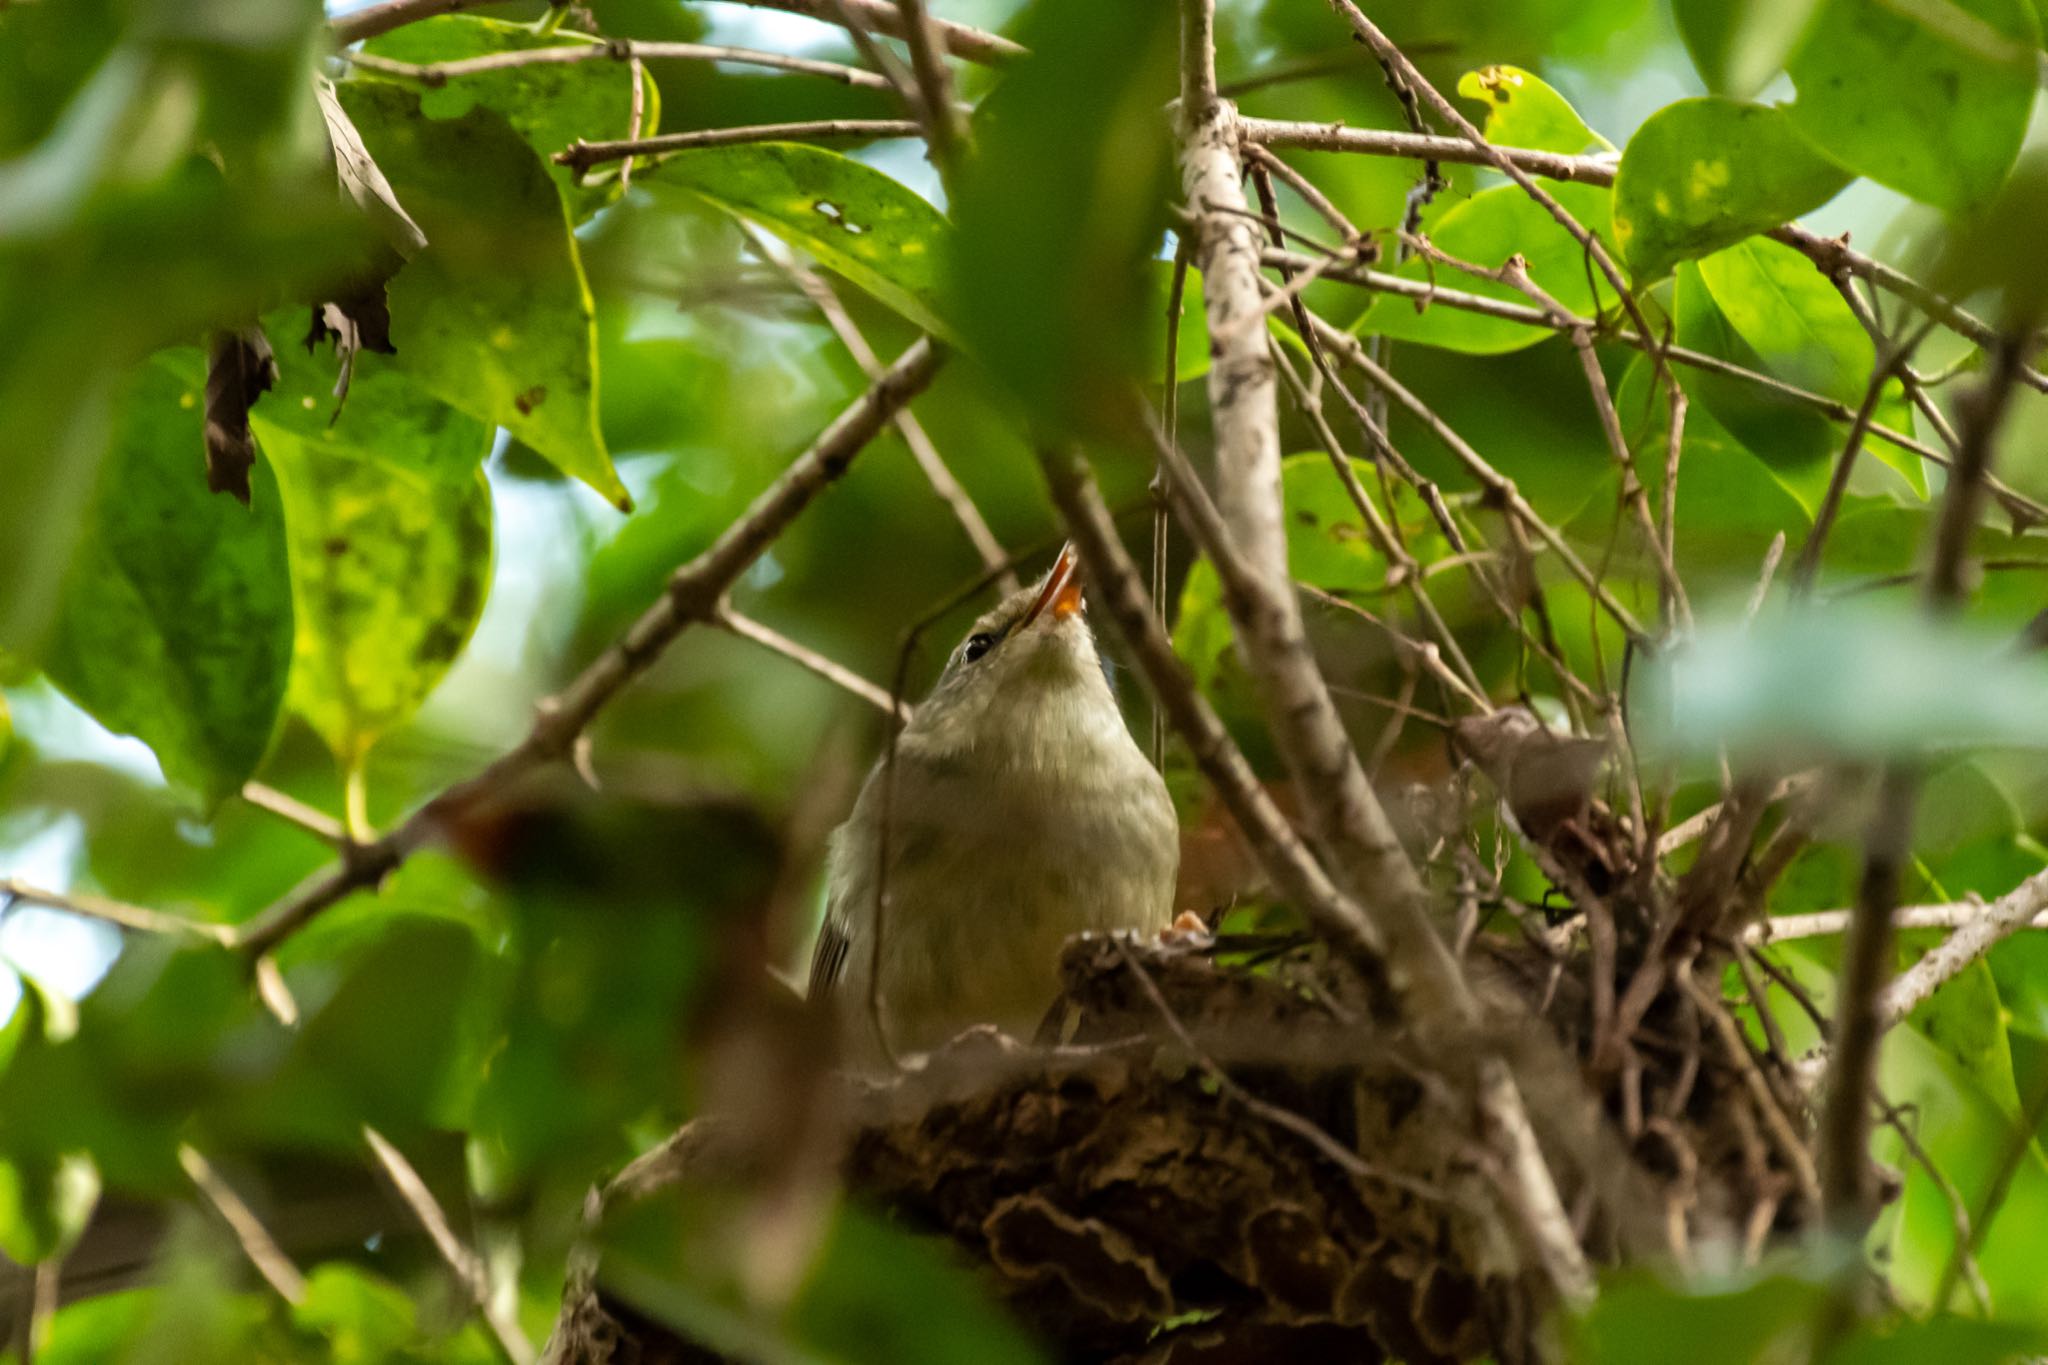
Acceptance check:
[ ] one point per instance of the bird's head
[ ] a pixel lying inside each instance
(1025, 681)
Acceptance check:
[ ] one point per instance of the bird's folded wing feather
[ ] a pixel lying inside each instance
(828, 959)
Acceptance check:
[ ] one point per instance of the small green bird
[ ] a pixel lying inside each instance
(1022, 813)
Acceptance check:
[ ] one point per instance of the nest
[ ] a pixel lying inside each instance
(1231, 1156)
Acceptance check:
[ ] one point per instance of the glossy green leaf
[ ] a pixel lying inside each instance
(1522, 111)
(1701, 174)
(390, 567)
(1932, 102)
(175, 619)
(552, 104)
(363, 1317)
(851, 218)
(1063, 204)
(493, 316)
(1738, 45)
(1486, 230)
(1966, 1020)
(1802, 331)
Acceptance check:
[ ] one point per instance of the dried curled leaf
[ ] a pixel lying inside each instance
(240, 368)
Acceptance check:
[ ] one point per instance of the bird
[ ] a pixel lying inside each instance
(1020, 812)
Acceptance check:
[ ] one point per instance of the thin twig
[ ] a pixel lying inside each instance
(1339, 1155)
(1829, 255)
(882, 16)
(615, 50)
(258, 1245)
(922, 449)
(468, 1266)
(945, 130)
(838, 674)
(692, 595)
(581, 155)
(317, 823)
(1977, 933)
(128, 916)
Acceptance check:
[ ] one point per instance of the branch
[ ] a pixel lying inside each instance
(372, 20)
(291, 810)
(1959, 915)
(1861, 1015)
(1829, 255)
(467, 1265)
(944, 129)
(693, 595)
(747, 628)
(1344, 815)
(258, 1245)
(1497, 484)
(581, 155)
(1979, 928)
(936, 472)
(882, 16)
(107, 911)
(616, 50)
(1429, 292)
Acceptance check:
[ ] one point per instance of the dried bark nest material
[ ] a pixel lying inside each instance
(1229, 1160)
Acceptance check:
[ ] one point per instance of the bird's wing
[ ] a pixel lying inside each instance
(828, 959)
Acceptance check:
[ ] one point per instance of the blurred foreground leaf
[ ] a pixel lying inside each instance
(1930, 101)
(1849, 682)
(1738, 45)
(1060, 205)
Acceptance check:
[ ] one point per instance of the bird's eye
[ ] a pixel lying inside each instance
(977, 645)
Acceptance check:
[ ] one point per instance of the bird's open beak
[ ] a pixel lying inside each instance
(1061, 595)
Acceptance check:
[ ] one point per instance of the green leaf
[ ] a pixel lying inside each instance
(1522, 111)
(363, 1317)
(1803, 332)
(45, 1202)
(387, 415)
(551, 104)
(1061, 206)
(1486, 229)
(1738, 45)
(1703, 173)
(1930, 101)
(175, 618)
(1740, 1322)
(1966, 1019)
(493, 316)
(1860, 682)
(852, 218)
(390, 567)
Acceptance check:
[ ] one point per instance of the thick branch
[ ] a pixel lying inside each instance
(694, 593)
(1980, 928)
(1343, 813)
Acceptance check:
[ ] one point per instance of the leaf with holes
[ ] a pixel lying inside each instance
(853, 219)
(1704, 173)
(175, 617)
(493, 316)
(1522, 111)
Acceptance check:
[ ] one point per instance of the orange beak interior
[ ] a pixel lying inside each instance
(1061, 594)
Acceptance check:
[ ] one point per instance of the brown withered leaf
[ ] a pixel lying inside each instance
(240, 368)
(356, 316)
